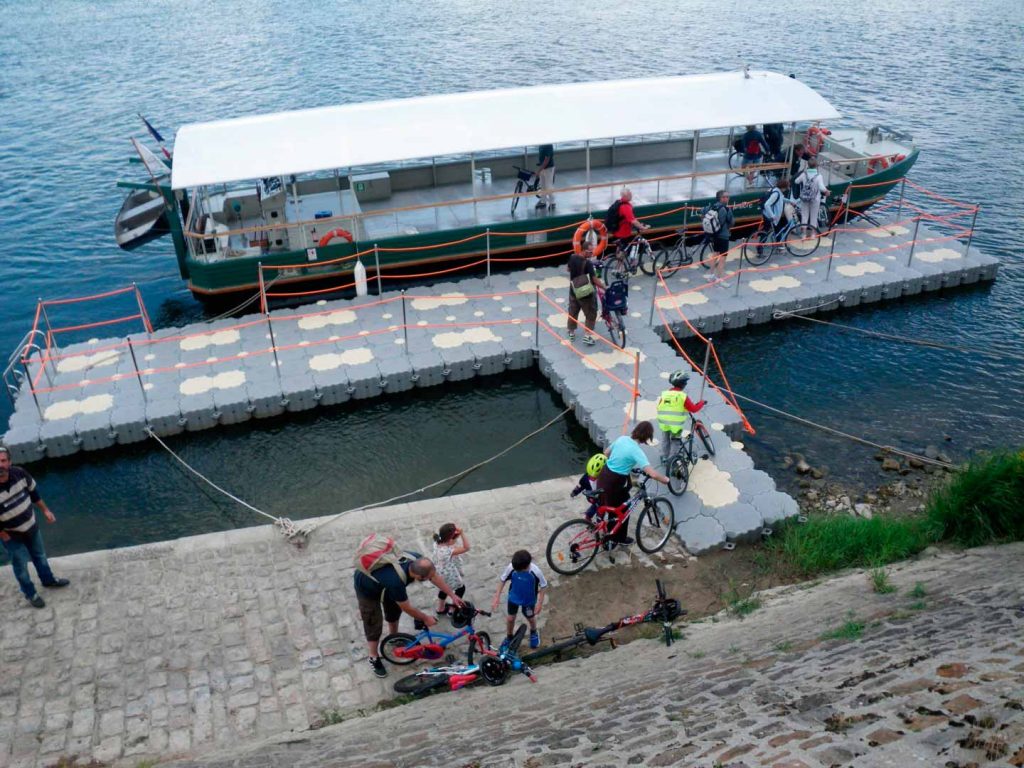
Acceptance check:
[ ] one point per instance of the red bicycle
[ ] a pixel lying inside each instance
(575, 543)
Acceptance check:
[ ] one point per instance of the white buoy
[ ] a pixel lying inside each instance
(360, 274)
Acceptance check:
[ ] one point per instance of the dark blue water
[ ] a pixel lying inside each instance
(73, 75)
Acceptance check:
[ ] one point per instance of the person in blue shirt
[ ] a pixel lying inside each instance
(775, 205)
(526, 591)
(625, 455)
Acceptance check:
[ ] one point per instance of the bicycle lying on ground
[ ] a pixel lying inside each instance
(497, 666)
(527, 182)
(575, 543)
(430, 645)
(682, 461)
(455, 676)
(664, 610)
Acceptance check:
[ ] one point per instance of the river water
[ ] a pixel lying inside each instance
(74, 74)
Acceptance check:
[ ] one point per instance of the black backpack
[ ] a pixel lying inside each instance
(612, 218)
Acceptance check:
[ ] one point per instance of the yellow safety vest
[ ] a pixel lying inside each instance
(672, 411)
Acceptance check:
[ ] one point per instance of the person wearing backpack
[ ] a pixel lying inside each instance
(754, 148)
(716, 222)
(383, 572)
(583, 286)
(620, 221)
(774, 204)
(812, 188)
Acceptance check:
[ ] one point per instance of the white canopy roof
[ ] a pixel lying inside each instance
(403, 129)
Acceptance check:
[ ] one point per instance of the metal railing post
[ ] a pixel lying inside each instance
(831, 251)
(739, 274)
(536, 319)
(913, 243)
(138, 373)
(970, 238)
(263, 288)
(654, 296)
(49, 332)
(488, 257)
(849, 197)
(704, 378)
(899, 205)
(636, 385)
(405, 324)
(376, 261)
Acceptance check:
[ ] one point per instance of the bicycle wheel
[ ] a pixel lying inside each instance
(655, 524)
(572, 546)
(756, 248)
(705, 437)
(515, 200)
(420, 683)
(517, 639)
(614, 269)
(678, 474)
(735, 160)
(485, 640)
(617, 329)
(803, 240)
(395, 642)
(706, 254)
(652, 261)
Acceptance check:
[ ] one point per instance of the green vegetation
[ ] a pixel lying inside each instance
(982, 504)
(852, 629)
(918, 591)
(784, 646)
(880, 582)
(825, 544)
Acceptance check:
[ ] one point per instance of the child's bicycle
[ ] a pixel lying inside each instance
(665, 609)
(575, 543)
(455, 676)
(614, 305)
(429, 645)
(497, 665)
(682, 461)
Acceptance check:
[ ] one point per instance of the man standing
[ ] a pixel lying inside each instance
(382, 596)
(628, 223)
(19, 532)
(720, 235)
(583, 282)
(546, 174)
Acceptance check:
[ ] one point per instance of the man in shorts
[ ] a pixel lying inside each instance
(720, 239)
(525, 592)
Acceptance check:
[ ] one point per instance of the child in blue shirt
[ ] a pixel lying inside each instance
(526, 591)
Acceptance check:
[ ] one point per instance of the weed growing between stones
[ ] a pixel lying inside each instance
(880, 582)
(852, 629)
(739, 605)
(918, 592)
(785, 646)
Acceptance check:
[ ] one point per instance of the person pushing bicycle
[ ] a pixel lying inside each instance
(774, 206)
(674, 408)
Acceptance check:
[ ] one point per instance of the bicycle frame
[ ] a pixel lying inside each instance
(621, 513)
(437, 642)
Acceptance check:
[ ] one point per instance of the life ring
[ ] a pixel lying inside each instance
(876, 164)
(583, 229)
(339, 232)
(815, 138)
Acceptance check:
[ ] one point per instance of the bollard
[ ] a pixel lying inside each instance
(654, 296)
(138, 374)
(899, 206)
(831, 251)
(376, 261)
(636, 385)
(970, 238)
(488, 257)
(913, 243)
(405, 324)
(704, 378)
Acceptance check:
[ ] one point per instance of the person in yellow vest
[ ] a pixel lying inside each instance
(674, 408)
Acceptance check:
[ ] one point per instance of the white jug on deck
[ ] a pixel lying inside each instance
(360, 275)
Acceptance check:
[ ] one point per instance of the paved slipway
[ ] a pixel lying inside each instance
(933, 681)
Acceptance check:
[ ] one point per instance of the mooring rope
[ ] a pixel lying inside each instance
(298, 533)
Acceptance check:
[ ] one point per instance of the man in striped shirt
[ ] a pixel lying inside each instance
(19, 533)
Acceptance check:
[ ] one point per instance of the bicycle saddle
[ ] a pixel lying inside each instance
(593, 635)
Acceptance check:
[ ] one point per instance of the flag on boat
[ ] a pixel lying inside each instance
(155, 134)
(154, 164)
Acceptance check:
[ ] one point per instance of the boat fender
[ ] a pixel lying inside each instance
(359, 273)
(584, 230)
(343, 233)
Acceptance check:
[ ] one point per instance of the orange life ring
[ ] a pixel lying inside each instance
(583, 229)
(876, 164)
(815, 138)
(339, 232)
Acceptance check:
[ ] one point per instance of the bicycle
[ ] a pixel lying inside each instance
(527, 182)
(575, 543)
(626, 262)
(739, 165)
(429, 645)
(613, 311)
(843, 213)
(496, 666)
(682, 461)
(798, 238)
(665, 609)
(455, 676)
(681, 254)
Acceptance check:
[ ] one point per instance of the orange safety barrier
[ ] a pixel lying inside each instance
(94, 297)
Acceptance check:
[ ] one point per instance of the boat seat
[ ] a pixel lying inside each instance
(143, 209)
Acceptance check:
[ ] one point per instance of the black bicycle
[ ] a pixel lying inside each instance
(626, 261)
(687, 248)
(527, 182)
(682, 461)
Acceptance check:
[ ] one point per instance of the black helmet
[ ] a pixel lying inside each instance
(679, 379)
(462, 616)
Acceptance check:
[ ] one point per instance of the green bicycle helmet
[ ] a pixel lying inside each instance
(595, 464)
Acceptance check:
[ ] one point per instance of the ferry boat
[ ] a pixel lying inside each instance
(415, 185)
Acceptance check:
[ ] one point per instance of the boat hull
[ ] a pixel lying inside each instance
(141, 219)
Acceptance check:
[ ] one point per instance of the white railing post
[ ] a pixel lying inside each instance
(970, 237)
(376, 261)
(913, 243)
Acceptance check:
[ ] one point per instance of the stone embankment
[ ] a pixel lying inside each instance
(829, 674)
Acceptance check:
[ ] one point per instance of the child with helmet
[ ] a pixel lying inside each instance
(588, 481)
(674, 408)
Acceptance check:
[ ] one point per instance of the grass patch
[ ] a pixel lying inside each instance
(918, 592)
(852, 629)
(982, 504)
(740, 605)
(784, 647)
(880, 582)
(920, 605)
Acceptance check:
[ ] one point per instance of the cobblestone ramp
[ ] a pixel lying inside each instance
(933, 681)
